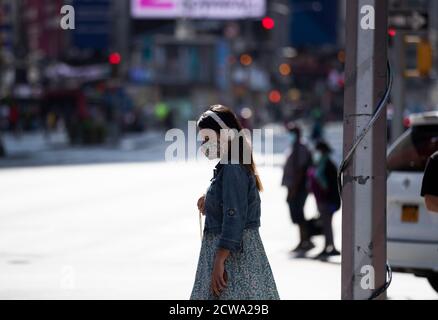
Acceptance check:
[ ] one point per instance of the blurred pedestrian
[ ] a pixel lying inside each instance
(295, 179)
(429, 189)
(232, 264)
(323, 183)
(318, 126)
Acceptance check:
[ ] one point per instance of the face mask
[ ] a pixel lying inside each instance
(317, 156)
(210, 150)
(292, 138)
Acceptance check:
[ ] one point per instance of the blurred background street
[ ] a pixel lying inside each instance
(90, 209)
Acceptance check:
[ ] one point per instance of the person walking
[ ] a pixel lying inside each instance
(232, 263)
(295, 180)
(323, 183)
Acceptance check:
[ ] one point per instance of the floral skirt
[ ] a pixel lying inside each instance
(249, 273)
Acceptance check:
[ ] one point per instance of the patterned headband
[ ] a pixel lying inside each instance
(216, 118)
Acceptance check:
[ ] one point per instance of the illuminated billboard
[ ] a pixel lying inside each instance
(198, 9)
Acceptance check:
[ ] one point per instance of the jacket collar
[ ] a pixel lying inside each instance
(217, 168)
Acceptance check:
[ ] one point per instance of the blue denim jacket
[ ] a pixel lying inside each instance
(232, 204)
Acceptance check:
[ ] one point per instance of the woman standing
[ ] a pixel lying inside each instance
(232, 264)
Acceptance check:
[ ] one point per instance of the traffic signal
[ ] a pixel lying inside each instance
(424, 58)
(392, 33)
(115, 59)
(418, 56)
(268, 23)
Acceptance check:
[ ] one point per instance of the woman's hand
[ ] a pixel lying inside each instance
(219, 276)
(201, 204)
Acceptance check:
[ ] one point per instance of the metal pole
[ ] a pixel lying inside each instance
(398, 96)
(342, 20)
(433, 37)
(364, 192)
(121, 32)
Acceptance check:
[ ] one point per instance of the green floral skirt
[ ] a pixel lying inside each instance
(249, 273)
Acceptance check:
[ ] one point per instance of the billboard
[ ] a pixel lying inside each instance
(197, 9)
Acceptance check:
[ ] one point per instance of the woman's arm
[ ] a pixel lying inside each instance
(235, 206)
(431, 203)
(201, 204)
(235, 184)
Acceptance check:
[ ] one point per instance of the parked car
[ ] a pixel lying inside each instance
(412, 230)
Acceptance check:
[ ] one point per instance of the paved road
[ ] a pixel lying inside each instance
(129, 230)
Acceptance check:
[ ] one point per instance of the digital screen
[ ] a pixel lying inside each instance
(205, 9)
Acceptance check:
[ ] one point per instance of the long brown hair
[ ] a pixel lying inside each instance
(230, 119)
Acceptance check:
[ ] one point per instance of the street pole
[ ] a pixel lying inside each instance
(399, 90)
(364, 180)
(433, 37)
(121, 33)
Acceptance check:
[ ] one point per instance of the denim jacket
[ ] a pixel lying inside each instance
(232, 204)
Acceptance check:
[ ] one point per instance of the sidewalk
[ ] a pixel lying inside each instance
(32, 142)
(35, 149)
(39, 141)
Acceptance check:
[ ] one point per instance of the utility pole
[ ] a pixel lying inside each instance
(433, 33)
(121, 33)
(364, 180)
(399, 90)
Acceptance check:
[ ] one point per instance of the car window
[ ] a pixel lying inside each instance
(411, 152)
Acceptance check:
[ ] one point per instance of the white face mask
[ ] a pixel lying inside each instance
(211, 150)
(317, 156)
(292, 138)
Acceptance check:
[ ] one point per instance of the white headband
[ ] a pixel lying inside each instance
(216, 118)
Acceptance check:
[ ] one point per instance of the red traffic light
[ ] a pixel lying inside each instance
(275, 96)
(115, 58)
(392, 32)
(268, 23)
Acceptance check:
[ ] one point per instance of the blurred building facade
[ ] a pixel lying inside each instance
(261, 63)
(158, 68)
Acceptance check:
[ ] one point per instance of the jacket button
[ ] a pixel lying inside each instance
(231, 212)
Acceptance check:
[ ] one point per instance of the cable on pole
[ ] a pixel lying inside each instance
(349, 156)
